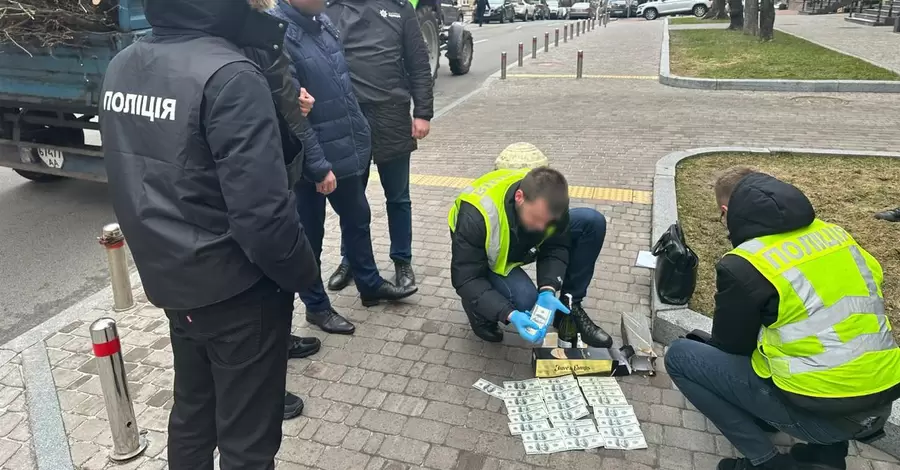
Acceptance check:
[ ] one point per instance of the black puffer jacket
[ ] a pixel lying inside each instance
(745, 301)
(469, 267)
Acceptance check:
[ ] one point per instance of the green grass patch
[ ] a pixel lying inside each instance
(710, 53)
(845, 191)
(694, 20)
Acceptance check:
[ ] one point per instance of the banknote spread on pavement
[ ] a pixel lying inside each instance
(567, 413)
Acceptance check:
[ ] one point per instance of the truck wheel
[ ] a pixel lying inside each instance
(463, 61)
(61, 136)
(429, 24)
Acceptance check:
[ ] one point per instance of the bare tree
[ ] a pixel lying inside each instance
(766, 20)
(751, 17)
(717, 11)
(736, 12)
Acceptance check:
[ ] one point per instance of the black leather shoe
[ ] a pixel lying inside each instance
(405, 277)
(484, 329)
(293, 406)
(330, 322)
(387, 291)
(591, 334)
(830, 456)
(299, 347)
(779, 462)
(892, 215)
(340, 278)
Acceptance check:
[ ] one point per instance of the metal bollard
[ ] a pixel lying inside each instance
(579, 65)
(572, 31)
(534, 47)
(503, 65)
(546, 42)
(114, 241)
(521, 53)
(565, 33)
(128, 442)
(556, 38)
(577, 28)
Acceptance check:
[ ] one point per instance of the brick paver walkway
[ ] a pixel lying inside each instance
(879, 45)
(398, 394)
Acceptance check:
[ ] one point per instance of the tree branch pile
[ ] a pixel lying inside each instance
(46, 23)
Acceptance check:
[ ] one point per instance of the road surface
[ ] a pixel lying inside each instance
(50, 256)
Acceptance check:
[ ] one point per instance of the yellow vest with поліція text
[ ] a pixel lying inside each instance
(831, 338)
(488, 195)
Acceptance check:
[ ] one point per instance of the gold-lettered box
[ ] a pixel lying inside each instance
(557, 362)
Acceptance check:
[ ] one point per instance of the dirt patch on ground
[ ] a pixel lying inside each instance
(844, 191)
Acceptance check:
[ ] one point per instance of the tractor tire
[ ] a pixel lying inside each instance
(428, 23)
(461, 64)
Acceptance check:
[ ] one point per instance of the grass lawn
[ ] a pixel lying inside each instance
(694, 20)
(844, 191)
(716, 53)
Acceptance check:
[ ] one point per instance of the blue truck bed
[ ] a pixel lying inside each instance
(48, 97)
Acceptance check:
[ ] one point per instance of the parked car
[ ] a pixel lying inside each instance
(542, 10)
(623, 8)
(556, 11)
(503, 11)
(451, 11)
(581, 10)
(656, 8)
(524, 10)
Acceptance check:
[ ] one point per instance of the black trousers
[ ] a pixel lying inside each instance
(230, 365)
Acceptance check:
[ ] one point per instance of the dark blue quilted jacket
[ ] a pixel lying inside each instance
(319, 66)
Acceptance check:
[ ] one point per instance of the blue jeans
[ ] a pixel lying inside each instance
(588, 230)
(349, 202)
(394, 177)
(726, 390)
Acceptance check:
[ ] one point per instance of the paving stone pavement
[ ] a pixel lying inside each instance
(398, 394)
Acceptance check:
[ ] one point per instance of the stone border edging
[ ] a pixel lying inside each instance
(672, 321)
(798, 86)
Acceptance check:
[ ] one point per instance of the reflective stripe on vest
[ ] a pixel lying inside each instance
(820, 331)
(488, 195)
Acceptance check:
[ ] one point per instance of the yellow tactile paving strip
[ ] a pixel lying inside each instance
(576, 192)
(572, 75)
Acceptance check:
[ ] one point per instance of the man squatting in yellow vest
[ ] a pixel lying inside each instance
(510, 218)
(800, 341)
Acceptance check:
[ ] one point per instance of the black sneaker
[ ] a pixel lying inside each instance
(293, 405)
(299, 347)
(485, 329)
(892, 215)
(779, 462)
(832, 456)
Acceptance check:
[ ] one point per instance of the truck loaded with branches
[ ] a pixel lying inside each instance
(54, 54)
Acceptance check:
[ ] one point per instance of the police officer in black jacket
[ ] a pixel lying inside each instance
(198, 182)
(389, 67)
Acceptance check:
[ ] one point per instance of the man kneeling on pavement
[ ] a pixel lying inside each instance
(800, 341)
(507, 219)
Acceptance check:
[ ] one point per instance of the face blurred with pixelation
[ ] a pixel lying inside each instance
(534, 216)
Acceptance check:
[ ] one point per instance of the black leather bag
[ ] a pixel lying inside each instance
(676, 267)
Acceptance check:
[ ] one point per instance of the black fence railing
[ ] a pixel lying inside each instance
(882, 11)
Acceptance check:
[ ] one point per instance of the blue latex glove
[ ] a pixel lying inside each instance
(547, 300)
(522, 320)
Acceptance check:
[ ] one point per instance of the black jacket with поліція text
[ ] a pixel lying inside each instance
(469, 268)
(745, 300)
(193, 155)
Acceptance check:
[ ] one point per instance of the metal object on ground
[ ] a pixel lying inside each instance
(503, 65)
(638, 347)
(521, 53)
(572, 31)
(577, 28)
(546, 42)
(534, 47)
(114, 241)
(520, 155)
(556, 38)
(565, 33)
(128, 442)
(579, 67)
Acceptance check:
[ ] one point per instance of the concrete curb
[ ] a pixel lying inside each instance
(672, 321)
(51, 444)
(797, 86)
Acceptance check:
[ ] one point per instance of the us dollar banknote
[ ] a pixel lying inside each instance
(533, 426)
(522, 393)
(560, 418)
(612, 422)
(602, 390)
(554, 406)
(607, 401)
(560, 380)
(626, 443)
(545, 447)
(530, 384)
(548, 435)
(594, 380)
(528, 417)
(585, 442)
(577, 431)
(564, 395)
(519, 409)
(613, 411)
(490, 389)
(523, 401)
(559, 387)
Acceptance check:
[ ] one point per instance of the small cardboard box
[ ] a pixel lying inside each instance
(557, 362)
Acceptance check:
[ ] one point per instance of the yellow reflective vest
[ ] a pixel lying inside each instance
(488, 195)
(831, 338)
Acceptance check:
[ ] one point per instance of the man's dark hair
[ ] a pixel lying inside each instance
(727, 180)
(547, 184)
